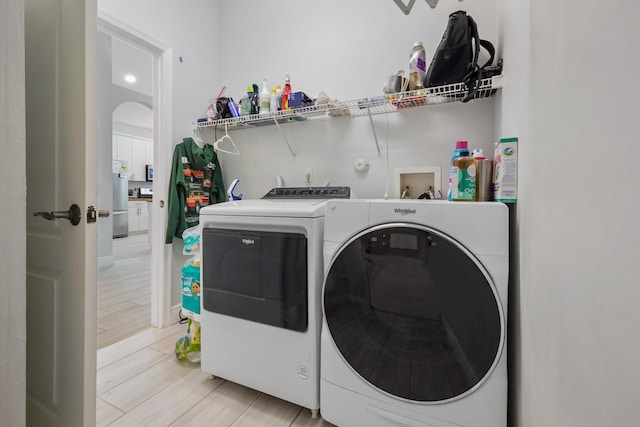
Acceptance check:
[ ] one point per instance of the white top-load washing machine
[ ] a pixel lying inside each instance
(262, 277)
(415, 306)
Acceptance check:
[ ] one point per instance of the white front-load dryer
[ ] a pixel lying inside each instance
(414, 314)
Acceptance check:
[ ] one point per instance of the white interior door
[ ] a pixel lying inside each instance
(61, 164)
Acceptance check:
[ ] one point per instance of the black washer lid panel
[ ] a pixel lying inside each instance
(412, 313)
(308, 193)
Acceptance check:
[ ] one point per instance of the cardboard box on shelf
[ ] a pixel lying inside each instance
(505, 177)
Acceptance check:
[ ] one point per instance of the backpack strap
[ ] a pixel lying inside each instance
(470, 80)
(474, 72)
(489, 48)
(473, 28)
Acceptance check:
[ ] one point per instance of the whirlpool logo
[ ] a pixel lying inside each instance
(248, 241)
(405, 211)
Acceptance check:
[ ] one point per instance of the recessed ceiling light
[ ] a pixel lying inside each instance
(130, 78)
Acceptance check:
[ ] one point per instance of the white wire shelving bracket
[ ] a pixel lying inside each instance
(284, 137)
(382, 104)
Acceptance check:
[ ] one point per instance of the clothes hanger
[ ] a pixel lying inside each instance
(405, 8)
(216, 145)
(197, 138)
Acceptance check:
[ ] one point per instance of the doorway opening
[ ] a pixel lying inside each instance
(134, 117)
(124, 286)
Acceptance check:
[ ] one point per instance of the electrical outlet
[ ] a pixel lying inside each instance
(307, 175)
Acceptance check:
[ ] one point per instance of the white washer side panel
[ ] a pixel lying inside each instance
(276, 361)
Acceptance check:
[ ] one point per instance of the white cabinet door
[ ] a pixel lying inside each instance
(138, 159)
(135, 152)
(149, 153)
(123, 152)
(143, 217)
(133, 218)
(138, 216)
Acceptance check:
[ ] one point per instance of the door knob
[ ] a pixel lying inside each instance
(74, 214)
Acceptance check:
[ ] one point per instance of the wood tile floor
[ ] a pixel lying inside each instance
(124, 290)
(139, 380)
(141, 383)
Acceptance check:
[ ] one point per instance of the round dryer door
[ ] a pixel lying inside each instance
(413, 313)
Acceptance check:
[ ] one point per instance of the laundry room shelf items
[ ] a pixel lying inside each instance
(361, 107)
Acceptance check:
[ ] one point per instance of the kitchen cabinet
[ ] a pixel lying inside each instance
(138, 216)
(148, 153)
(136, 152)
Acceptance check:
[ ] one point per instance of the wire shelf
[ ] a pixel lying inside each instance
(361, 107)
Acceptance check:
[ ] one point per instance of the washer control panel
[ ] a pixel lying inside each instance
(309, 193)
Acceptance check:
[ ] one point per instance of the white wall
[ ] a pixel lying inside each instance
(190, 28)
(344, 49)
(572, 98)
(12, 215)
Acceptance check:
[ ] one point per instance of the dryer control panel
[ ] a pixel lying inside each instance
(308, 193)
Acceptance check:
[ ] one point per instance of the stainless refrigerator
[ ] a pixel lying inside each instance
(120, 205)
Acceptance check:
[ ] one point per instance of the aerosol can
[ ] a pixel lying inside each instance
(417, 66)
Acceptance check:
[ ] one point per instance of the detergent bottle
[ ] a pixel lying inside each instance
(461, 147)
(463, 187)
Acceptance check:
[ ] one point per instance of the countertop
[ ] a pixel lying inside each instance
(140, 199)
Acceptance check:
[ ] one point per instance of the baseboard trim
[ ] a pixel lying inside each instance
(105, 261)
(174, 316)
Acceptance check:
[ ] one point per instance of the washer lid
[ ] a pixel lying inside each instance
(413, 313)
(297, 208)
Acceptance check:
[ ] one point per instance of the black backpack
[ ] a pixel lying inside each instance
(456, 58)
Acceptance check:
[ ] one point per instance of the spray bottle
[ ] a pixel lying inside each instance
(286, 92)
(273, 101)
(279, 97)
(265, 98)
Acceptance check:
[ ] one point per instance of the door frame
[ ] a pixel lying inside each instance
(162, 144)
(13, 329)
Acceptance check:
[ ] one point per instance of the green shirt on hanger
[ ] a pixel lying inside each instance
(196, 181)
